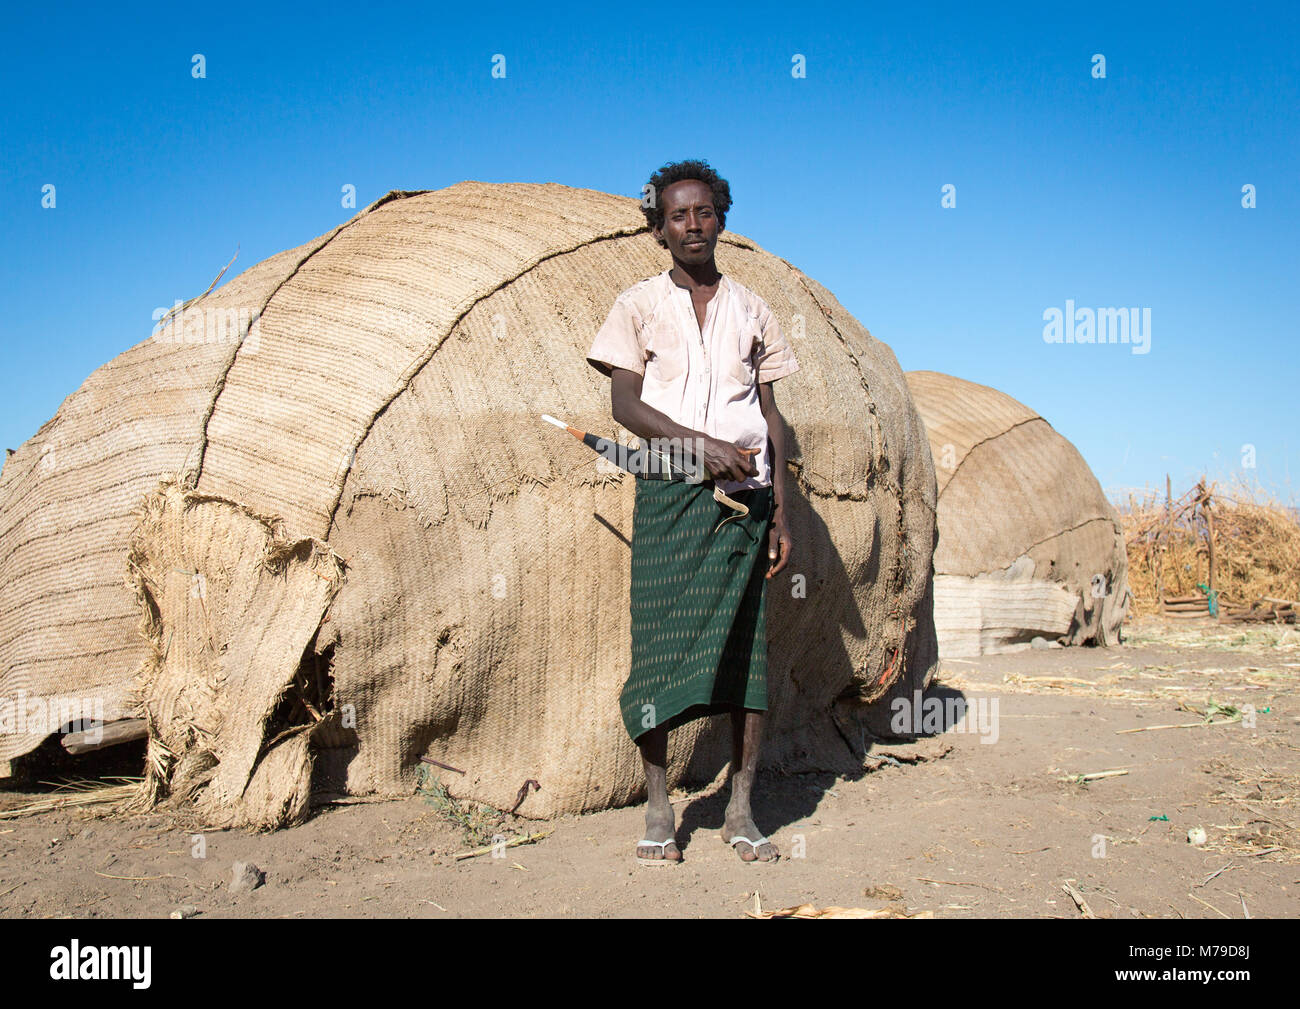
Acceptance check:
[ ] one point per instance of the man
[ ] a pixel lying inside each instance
(692, 356)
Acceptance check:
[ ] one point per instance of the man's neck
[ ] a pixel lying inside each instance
(694, 276)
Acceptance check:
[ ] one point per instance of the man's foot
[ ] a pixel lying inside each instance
(657, 846)
(743, 836)
(655, 853)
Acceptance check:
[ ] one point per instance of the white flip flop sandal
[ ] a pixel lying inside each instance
(663, 848)
(755, 844)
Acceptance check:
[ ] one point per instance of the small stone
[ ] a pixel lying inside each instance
(246, 876)
(1196, 836)
(185, 911)
(1039, 643)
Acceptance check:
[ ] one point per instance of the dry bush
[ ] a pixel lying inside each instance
(1256, 546)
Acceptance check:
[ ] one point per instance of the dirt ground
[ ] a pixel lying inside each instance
(987, 819)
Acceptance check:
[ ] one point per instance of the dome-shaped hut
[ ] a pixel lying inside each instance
(349, 542)
(1028, 542)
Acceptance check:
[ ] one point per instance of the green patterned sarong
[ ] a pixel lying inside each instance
(699, 605)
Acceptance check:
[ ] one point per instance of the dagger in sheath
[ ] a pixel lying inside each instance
(649, 463)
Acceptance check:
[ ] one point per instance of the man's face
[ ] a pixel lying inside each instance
(690, 226)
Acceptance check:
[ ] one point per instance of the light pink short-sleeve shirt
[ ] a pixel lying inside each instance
(704, 379)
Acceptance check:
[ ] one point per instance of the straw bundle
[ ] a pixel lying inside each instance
(350, 544)
(1028, 544)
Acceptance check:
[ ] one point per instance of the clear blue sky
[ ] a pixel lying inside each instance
(1122, 191)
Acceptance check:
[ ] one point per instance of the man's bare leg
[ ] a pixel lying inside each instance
(660, 824)
(746, 738)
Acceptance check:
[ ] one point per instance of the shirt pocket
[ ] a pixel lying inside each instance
(748, 349)
(665, 354)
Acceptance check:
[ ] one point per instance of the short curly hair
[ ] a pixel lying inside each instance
(679, 171)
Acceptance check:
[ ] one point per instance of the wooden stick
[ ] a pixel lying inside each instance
(1077, 897)
(1183, 725)
(513, 843)
(1210, 906)
(1209, 532)
(110, 735)
(956, 882)
(1169, 521)
(1280, 823)
(1213, 874)
(1094, 776)
(445, 767)
(140, 879)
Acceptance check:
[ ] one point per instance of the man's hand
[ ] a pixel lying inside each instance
(719, 459)
(725, 461)
(779, 544)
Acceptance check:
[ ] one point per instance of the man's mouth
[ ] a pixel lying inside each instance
(693, 245)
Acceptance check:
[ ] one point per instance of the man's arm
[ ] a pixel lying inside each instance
(721, 459)
(779, 543)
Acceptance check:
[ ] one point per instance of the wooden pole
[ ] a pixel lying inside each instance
(110, 735)
(1169, 519)
(1209, 528)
